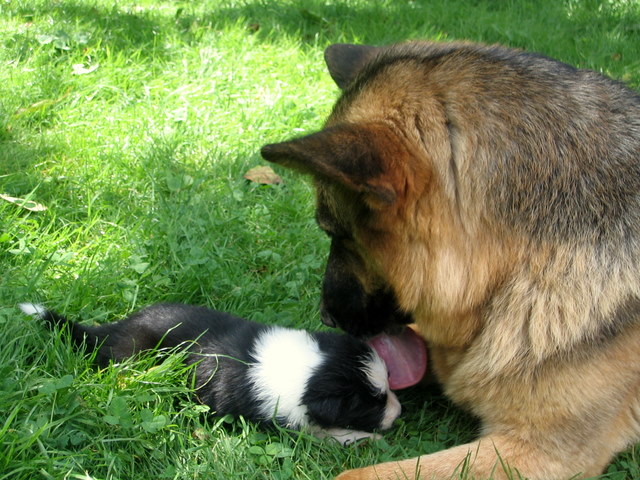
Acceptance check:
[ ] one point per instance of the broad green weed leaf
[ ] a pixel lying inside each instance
(55, 384)
(150, 422)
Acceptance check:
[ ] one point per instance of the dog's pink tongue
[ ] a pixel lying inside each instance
(405, 356)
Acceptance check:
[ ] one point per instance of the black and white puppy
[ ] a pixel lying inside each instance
(327, 383)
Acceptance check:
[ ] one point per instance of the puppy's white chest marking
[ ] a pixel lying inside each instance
(285, 359)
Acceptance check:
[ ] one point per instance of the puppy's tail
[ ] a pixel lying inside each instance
(80, 335)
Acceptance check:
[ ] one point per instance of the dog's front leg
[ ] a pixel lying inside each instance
(493, 457)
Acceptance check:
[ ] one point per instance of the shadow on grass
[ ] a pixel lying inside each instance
(225, 235)
(427, 405)
(78, 24)
(523, 24)
(16, 157)
(526, 24)
(597, 34)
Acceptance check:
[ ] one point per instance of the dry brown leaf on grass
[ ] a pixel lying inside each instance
(263, 175)
(26, 204)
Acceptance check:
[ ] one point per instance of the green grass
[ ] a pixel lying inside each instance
(133, 124)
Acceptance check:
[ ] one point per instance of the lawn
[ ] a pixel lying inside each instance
(128, 127)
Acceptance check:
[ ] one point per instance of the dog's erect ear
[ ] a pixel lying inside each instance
(344, 61)
(357, 157)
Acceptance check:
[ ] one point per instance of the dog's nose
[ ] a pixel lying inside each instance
(327, 318)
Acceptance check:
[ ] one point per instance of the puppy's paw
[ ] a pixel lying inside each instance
(344, 436)
(349, 437)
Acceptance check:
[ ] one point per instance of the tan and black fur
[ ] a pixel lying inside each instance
(493, 197)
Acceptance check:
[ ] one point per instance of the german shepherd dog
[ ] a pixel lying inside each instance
(491, 196)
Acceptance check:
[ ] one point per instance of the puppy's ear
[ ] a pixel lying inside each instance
(325, 411)
(344, 61)
(357, 157)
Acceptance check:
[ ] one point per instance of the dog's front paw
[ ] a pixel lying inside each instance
(357, 474)
(404, 470)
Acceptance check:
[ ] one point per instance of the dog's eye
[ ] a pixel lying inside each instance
(376, 392)
(338, 236)
(331, 232)
(331, 228)
(380, 395)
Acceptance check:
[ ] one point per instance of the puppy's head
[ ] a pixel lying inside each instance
(350, 390)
